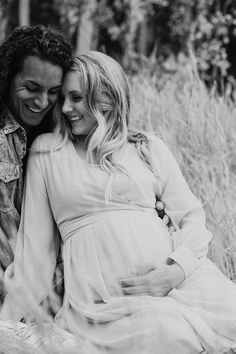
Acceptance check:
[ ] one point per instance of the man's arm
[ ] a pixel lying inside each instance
(160, 207)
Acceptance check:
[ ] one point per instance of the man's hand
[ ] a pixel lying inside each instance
(165, 218)
(154, 281)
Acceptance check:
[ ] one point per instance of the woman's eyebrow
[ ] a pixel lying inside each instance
(75, 91)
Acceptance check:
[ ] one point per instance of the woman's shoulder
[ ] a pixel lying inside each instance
(135, 136)
(157, 142)
(154, 141)
(160, 148)
(47, 142)
(155, 138)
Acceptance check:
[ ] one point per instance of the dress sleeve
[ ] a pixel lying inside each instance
(29, 278)
(191, 238)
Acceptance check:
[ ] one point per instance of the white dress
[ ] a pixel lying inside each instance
(110, 230)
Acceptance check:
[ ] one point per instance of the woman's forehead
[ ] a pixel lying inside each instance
(72, 82)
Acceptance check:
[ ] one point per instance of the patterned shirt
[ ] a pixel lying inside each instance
(12, 151)
(13, 156)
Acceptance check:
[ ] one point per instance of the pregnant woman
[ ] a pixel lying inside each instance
(130, 286)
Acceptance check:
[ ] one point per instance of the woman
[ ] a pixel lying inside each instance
(130, 287)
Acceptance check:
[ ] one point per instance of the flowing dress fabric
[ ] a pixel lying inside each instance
(110, 230)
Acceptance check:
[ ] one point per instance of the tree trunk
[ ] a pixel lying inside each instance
(136, 16)
(24, 12)
(4, 18)
(142, 40)
(3, 21)
(85, 34)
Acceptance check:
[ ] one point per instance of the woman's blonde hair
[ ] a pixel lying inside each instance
(106, 96)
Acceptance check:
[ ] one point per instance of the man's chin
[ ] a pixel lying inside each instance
(28, 122)
(32, 119)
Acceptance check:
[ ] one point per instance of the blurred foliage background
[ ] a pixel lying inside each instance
(132, 31)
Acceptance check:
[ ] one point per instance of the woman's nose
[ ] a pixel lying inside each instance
(66, 108)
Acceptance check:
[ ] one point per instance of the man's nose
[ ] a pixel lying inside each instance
(41, 101)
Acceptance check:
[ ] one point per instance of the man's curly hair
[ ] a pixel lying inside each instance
(44, 42)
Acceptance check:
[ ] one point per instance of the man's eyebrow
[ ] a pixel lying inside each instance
(38, 85)
(56, 87)
(32, 82)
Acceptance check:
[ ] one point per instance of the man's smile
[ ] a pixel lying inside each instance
(32, 109)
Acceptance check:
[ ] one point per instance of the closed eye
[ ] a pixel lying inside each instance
(76, 98)
(32, 88)
(54, 91)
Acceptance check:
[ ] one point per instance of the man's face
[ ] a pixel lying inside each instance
(34, 90)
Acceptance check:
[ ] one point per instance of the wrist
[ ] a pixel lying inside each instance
(177, 275)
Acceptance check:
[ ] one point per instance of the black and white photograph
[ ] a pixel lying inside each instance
(117, 177)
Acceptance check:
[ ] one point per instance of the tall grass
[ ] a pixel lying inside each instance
(199, 126)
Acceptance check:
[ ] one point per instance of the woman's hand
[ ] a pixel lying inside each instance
(158, 281)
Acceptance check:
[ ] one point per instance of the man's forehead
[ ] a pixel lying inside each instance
(37, 68)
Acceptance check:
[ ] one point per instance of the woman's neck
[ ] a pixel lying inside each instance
(82, 141)
(81, 146)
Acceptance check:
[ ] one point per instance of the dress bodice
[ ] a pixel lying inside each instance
(67, 176)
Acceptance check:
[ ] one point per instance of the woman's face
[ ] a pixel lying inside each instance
(82, 123)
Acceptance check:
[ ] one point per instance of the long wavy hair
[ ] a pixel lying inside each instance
(106, 96)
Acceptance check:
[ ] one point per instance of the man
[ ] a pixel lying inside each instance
(32, 62)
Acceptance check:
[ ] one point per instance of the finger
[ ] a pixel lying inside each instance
(140, 280)
(171, 229)
(159, 205)
(166, 219)
(135, 290)
(160, 209)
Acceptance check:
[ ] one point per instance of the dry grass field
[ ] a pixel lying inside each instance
(199, 126)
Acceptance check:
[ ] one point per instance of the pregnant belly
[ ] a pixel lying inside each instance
(116, 247)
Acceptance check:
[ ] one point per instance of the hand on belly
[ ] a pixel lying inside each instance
(153, 280)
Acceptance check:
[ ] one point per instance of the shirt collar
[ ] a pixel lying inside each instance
(11, 124)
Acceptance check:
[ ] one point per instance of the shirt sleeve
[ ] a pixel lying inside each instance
(28, 279)
(191, 238)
